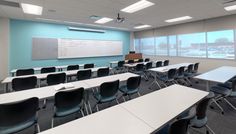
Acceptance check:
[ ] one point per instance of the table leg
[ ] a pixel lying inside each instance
(154, 81)
(6, 87)
(207, 86)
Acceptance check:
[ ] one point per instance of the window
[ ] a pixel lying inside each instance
(148, 46)
(192, 45)
(221, 44)
(172, 45)
(137, 45)
(161, 45)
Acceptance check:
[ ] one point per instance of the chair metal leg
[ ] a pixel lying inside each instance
(97, 107)
(124, 99)
(82, 112)
(90, 109)
(139, 94)
(52, 123)
(117, 101)
(36, 128)
(218, 105)
(208, 128)
(230, 104)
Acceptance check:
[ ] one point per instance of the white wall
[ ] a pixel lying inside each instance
(205, 64)
(4, 47)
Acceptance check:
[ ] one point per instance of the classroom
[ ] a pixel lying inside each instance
(117, 66)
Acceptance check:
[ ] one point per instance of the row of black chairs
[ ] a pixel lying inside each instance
(24, 83)
(20, 115)
(21, 72)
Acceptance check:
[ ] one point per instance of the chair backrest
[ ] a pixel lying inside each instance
(139, 67)
(166, 63)
(148, 65)
(195, 68)
(13, 114)
(73, 67)
(234, 85)
(171, 73)
(140, 60)
(48, 70)
(53, 79)
(67, 100)
(133, 82)
(147, 60)
(103, 72)
(21, 72)
(88, 66)
(130, 61)
(84, 74)
(109, 89)
(159, 64)
(202, 106)
(179, 127)
(19, 84)
(190, 68)
(121, 63)
(181, 71)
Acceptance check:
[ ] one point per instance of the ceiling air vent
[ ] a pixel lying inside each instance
(9, 3)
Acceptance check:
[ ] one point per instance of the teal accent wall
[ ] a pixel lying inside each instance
(21, 33)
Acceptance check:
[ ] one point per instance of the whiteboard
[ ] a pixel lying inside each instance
(73, 48)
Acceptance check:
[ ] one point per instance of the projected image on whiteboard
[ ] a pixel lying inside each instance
(71, 48)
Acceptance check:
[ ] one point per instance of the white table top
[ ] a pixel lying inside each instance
(167, 68)
(221, 74)
(39, 68)
(49, 91)
(114, 120)
(98, 81)
(159, 107)
(44, 76)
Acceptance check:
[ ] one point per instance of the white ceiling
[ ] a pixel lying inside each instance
(80, 10)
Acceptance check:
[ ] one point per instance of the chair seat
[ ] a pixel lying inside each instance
(17, 128)
(124, 90)
(198, 123)
(65, 112)
(221, 90)
(101, 99)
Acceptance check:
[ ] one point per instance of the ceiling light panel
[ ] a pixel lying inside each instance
(142, 26)
(137, 6)
(103, 20)
(179, 19)
(230, 8)
(31, 9)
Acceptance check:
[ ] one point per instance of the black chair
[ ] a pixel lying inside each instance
(132, 87)
(159, 64)
(148, 65)
(25, 83)
(223, 92)
(146, 72)
(147, 60)
(18, 116)
(140, 60)
(48, 70)
(73, 67)
(107, 93)
(130, 61)
(195, 68)
(189, 73)
(198, 114)
(21, 72)
(103, 72)
(68, 103)
(84, 74)
(179, 127)
(169, 78)
(53, 79)
(180, 78)
(166, 63)
(88, 66)
(120, 67)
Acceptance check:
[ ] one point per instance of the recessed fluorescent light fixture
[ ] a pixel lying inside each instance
(103, 20)
(142, 26)
(179, 19)
(230, 8)
(45, 19)
(137, 6)
(71, 22)
(31, 9)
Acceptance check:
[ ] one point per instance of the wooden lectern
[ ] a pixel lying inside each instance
(133, 56)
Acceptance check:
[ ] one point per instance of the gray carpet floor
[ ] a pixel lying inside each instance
(221, 124)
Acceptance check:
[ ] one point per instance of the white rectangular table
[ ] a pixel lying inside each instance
(59, 68)
(164, 69)
(159, 107)
(114, 120)
(8, 80)
(134, 64)
(219, 75)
